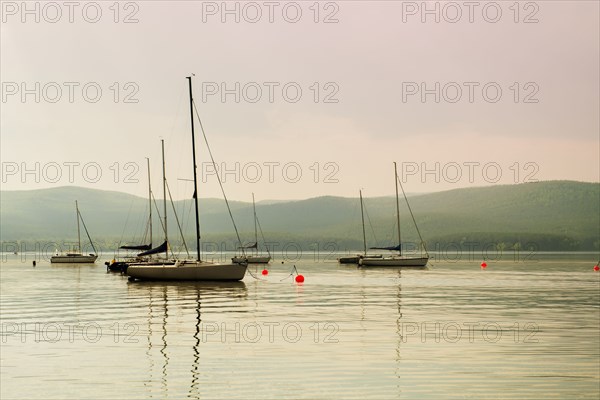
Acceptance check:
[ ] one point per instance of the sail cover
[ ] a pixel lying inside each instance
(138, 247)
(252, 246)
(397, 248)
(160, 249)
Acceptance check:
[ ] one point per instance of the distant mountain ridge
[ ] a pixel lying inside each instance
(554, 215)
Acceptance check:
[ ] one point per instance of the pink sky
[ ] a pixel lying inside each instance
(366, 110)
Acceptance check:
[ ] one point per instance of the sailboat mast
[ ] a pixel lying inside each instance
(149, 200)
(189, 78)
(362, 214)
(397, 209)
(78, 233)
(255, 228)
(162, 145)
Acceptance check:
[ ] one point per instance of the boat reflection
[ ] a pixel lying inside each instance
(170, 306)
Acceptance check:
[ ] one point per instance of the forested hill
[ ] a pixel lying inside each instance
(554, 215)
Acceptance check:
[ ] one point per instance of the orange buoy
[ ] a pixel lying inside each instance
(299, 278)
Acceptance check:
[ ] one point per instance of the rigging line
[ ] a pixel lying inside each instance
(146, 230)
(413, 218)
(144, 238)
(218, 178)
(362, 217)
(355, 220)
(291, 273)
(185, 218)
(87, 233)
(370, 223)
(163, 226)
(125, 226)
(186, 210)
(137, 229)
(141, 226)
(140, 231)
(181, 206)
(180, 222)
(263, 238)
(177, 219)
(390, 236)
(158, 213)
(255, 277)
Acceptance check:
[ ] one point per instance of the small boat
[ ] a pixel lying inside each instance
(189, 270)
(397, 260)
(74, 258)
(256, 258)
(77, 256)
(252, 259)
(144, 257)
(349, 259)
(394, 261)
(356, 258)
(120, 265)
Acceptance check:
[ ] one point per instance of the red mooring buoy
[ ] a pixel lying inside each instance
(299, 278)
(265, 272)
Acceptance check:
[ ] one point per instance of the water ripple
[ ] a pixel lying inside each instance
(513, 331)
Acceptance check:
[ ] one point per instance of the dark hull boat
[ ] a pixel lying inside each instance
(256, 258)
(116, 266)
(141, 259)
(357, 258)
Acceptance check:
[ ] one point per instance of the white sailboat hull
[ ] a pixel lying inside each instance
(394, 262)
(188, 271)
(252, 259)
(74, 258)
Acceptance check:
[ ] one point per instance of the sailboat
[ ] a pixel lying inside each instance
(355, 259)
(121, 265)
(76, 256)
(255, 259)
(191, 269)
(147, 250)
(397, 260)
(164, 246)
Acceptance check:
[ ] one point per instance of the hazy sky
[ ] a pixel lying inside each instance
(300, 99)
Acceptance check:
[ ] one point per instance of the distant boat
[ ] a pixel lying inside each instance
(356, 259)
(189, 270)
(397, 260)
(256, 258)
(76, 256)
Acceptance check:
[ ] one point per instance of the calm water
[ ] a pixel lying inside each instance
(517, 330)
